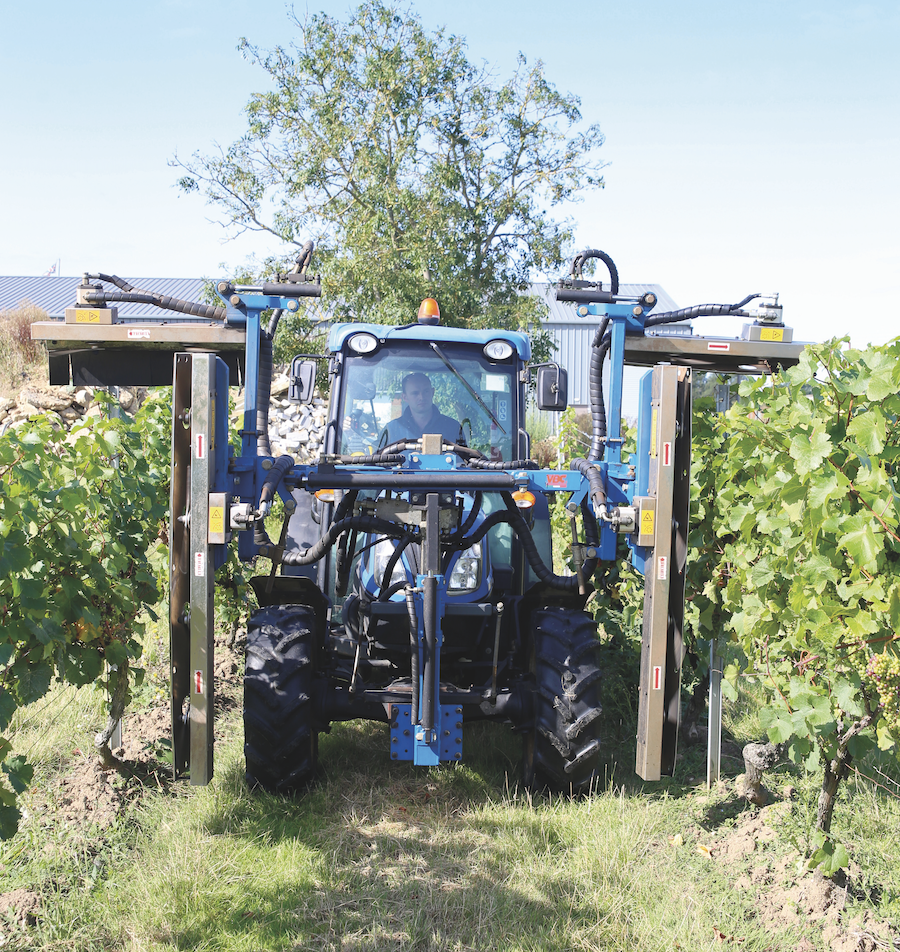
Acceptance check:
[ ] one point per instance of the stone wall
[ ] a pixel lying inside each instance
(296, 430)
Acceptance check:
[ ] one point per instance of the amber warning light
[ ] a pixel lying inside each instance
(429, 312)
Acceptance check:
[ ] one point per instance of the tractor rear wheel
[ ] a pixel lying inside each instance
(562, 747)
(280, 736)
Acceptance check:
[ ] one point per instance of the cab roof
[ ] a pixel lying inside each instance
(387, 333)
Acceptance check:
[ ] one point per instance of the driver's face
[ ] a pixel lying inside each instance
(419, 396)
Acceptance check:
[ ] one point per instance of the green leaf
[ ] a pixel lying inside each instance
(860, 540)
(868, 429)
(810, 452)
(9, 821)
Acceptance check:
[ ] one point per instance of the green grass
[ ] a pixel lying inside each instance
(386, 856)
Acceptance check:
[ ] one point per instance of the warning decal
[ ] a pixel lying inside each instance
(200, 446)
(657, 677)
(138, 333)
(199, 564)
(718, 345)
(216, 519)
(87, 316)
(771, 333)
(647, 522)
(667, 454)
(653, 418)
(662, 568)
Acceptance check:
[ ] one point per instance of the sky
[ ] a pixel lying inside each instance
(749, 147)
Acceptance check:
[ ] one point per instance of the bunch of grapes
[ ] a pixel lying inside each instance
(884, 670)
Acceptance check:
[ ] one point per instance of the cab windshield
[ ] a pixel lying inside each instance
(470, 397)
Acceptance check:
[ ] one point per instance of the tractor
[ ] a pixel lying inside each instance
(412, 578)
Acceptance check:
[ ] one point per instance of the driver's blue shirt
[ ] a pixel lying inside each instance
(406, 428)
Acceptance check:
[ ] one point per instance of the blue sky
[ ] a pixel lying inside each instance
(751, 147)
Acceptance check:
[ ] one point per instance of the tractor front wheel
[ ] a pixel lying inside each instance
(562, 747)
(280, 736)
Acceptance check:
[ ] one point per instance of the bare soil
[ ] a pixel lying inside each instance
(786, 894)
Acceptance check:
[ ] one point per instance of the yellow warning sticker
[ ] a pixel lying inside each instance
(653, 417)
(647, 522)
(216, 519)
(87, 316)
(771, 333)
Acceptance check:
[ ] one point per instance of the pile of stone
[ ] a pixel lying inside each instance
(296, 430)
(64, 405)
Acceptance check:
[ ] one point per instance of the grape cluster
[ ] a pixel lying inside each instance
(884, 670)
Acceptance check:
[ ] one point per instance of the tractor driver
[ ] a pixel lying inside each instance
(420, 415)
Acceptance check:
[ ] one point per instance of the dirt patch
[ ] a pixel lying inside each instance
(786, 895)
(20, 906)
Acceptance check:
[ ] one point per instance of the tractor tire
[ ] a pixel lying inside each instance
(562, 746)
(280, 736)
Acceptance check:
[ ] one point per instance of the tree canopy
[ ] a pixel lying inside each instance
(415, 171)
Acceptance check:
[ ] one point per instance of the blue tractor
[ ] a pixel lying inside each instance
(412, 578)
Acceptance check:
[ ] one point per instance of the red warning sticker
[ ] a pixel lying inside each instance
(198, 682)
(667, 454)
(657, 677)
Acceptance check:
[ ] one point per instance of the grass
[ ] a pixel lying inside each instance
(386, 856)
(382, 856)
(21, 358)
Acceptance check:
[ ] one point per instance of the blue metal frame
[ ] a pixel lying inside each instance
(246, 473)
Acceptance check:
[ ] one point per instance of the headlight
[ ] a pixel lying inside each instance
(382, 552)
(466, 572)
(363, 343)
(498, 350)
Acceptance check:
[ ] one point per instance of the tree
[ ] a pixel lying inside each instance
(417, 174)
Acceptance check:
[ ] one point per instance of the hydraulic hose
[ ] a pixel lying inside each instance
(580, 259)
(592, 474)
(701, 310)
(599, 350)
(504, 464)
(511, 516)
(370, 524)
(280, 468)
(192, 308)
(385, 586)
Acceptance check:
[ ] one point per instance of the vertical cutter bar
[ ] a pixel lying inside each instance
(203, 383)
(179, 564)
(662, 645)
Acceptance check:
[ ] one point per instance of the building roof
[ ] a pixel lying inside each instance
(55, 294)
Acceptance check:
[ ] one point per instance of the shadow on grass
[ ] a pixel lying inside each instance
(385, 855)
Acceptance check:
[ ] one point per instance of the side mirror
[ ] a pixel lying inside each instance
(302, 382)
(552, 387)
